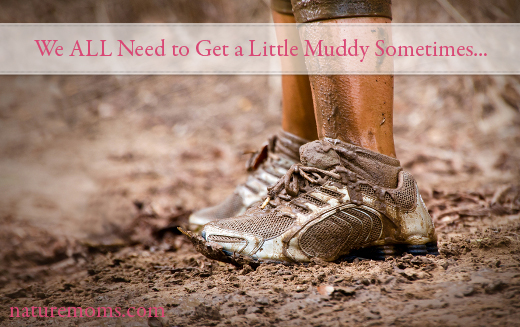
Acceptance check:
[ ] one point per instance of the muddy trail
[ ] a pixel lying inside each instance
(475, 281)
(97, 173)
(91, 209)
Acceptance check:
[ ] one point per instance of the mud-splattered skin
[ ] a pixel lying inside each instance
(356, 109)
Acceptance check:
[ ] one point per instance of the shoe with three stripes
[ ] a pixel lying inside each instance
(340, 200)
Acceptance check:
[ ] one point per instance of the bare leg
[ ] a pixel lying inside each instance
(298, 110)
(356, 109)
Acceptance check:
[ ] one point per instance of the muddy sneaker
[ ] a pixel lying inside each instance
(266, 167)
(339, 200)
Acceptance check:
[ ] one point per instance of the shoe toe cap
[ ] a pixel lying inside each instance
(230, 240)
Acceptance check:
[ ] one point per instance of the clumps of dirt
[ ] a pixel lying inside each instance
(491, 242)
(466, 284)
(449, 209)
(425, 263)
(203, 311)
(18, 250)
(151, 227)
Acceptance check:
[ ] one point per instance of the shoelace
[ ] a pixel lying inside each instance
(297, 179)
(266, 160)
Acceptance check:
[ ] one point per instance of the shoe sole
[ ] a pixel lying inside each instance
(382, 252)
(379, 253)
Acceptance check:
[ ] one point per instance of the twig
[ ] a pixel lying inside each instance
(499, 194)
(464, 211)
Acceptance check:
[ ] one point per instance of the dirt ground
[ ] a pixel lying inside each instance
(96, 173)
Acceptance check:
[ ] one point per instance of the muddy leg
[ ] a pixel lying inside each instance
(356, 109)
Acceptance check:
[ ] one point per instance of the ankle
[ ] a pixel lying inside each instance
(384, 146)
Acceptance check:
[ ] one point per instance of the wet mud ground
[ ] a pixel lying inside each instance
(92, 200)
(474, 282)
(97, 173)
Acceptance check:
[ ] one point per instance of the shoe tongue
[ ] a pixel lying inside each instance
(374, 167)
(319, 154)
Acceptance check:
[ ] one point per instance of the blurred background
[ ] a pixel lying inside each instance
(82, 156)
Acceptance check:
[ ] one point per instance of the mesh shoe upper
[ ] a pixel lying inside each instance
(344, 198)
(266, 167)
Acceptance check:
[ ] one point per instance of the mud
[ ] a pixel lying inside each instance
(311, 10)
(344, 115)
(137, 179)
(475, 281)
(101, 229)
